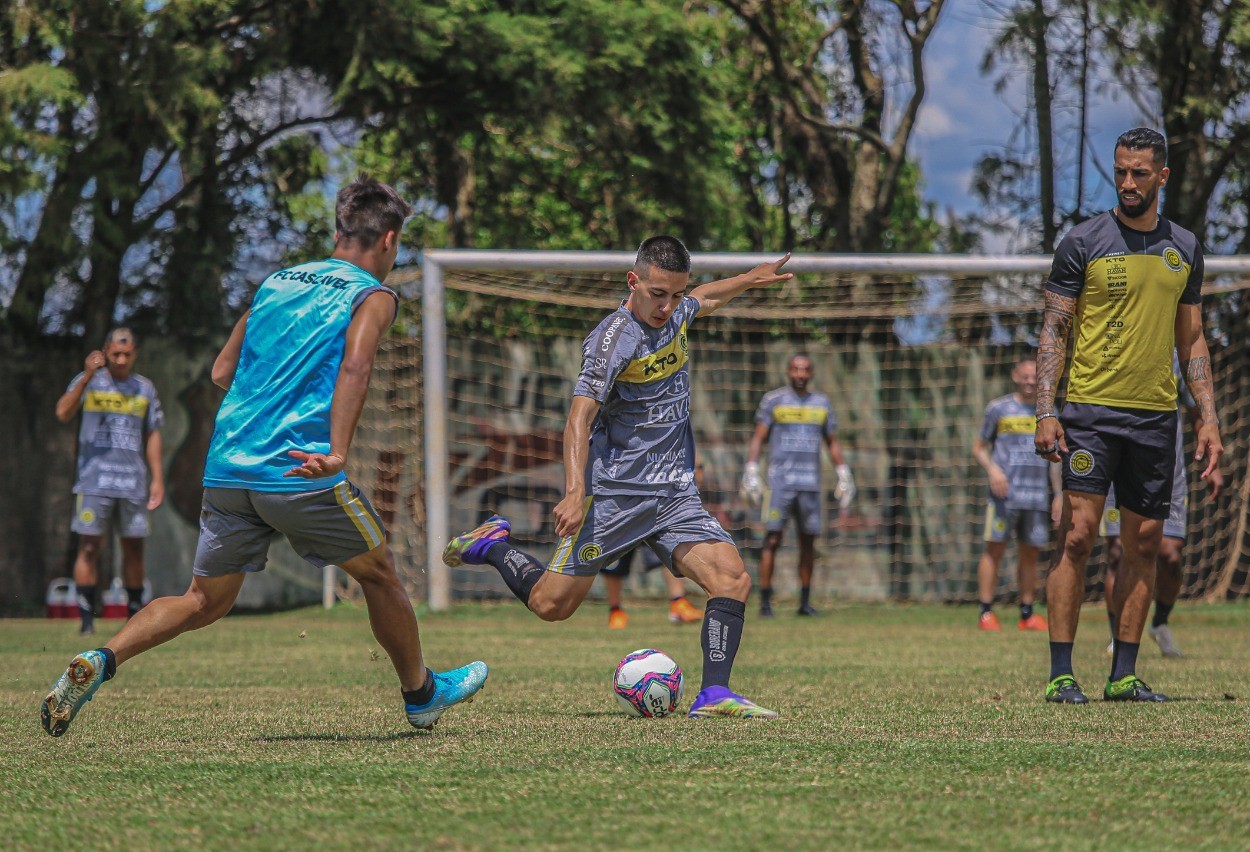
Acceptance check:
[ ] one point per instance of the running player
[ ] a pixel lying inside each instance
(795, 421)
(296, 369)
(119, 447)
(629, 468)
(1131, 283)
(1019, 503)
(1168, 571)
(680, 609)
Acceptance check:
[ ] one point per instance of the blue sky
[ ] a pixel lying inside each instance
(963, 117)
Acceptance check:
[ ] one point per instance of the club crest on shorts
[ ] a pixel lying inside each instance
(1081, 463)
(1172, 258)
(1113, 516)
(86, 516)
(589, 552)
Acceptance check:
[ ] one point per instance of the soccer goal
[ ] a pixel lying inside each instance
(470, 393)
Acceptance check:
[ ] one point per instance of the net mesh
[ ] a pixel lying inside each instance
(909, 363)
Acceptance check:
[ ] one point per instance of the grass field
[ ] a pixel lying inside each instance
(902, 726)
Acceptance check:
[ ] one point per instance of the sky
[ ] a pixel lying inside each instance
(963, 118)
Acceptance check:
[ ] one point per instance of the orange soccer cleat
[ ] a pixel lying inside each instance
(618, 619)
(682, 611)
(1033, 622)
(989, 621)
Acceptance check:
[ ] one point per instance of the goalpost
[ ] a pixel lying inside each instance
(909, 347)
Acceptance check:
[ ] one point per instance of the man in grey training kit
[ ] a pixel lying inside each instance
(119, 445)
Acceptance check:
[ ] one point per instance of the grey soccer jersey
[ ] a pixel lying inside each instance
(1009, 425)
(641, 441)
(798, 425)
(116, 417)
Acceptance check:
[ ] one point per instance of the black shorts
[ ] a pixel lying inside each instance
(1132, 448)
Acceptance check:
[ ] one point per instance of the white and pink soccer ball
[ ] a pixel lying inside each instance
(648, 683)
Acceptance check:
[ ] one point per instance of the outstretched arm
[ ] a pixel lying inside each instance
(716, 294)
(569, 511)
(1195, 358)
(372, 319)
(1052, 355)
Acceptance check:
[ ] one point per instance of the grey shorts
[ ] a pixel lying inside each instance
(1028, 526)
(92, 515)
(611, 526)
(803, 506)
(1175, 524)
(326, 527)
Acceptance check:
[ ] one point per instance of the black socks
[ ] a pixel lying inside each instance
(519, 570)
(110, 662)
(1123, 659)
(422, 694)
(805, 597)
(722, 631)
(1162, 611)
(86, 606)
(985, 607)
(134, 599)
(1060, 659)
(1026, 610)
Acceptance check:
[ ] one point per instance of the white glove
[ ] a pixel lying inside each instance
(752, 489)
(845, 489)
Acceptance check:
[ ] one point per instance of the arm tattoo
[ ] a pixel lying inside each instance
(1052, 348)
(1197, 372)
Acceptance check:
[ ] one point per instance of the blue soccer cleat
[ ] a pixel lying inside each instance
(450, 687)
(470, 548)
(719, 701)
(71, 691)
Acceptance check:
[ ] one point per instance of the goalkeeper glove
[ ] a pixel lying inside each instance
(752, 489)
(845, 490)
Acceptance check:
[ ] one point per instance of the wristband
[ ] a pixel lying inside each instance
(1042, 417)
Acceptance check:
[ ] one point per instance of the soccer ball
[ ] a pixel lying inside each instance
(648, 683)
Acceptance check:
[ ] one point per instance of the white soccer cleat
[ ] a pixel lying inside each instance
(1166, 642)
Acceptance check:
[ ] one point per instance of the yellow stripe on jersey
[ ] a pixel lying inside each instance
(800, 414)
(1125, 331)
(365, 524)
(1018, 424)
(660, 364)
(115, 402)
(564, 550)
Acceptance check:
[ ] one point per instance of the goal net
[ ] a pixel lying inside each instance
(909, 350)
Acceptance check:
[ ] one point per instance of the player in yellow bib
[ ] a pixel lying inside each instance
(1130, 283)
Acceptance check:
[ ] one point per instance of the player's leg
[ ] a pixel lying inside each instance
(680, 609)
(1168, 580)
(1065, 589)
(613, 581)
(1034, 534)
(807, 516)
(768, 561)
(339, 526)
(91, 523)
(133, 521)
(997, 530)
(206, 601)
(1109, 529)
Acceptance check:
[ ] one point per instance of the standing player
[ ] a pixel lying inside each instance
(795, 422)
(1168, 570)
(1019, 503)
(119, 445)
(297, 369)
(1131, 282)
(629, 468)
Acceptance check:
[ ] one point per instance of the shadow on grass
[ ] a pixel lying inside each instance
(342, 738)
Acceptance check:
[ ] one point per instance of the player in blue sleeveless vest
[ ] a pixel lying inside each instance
(297, 369)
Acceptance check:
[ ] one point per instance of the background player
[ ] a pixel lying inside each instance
(1168, 567)
(119, 445)
(680, 609)
(1020, 500)
(795, 422)
(296, 369)
(629, 468)
(1131, 283)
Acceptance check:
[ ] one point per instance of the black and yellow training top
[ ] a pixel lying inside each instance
(1127, 284)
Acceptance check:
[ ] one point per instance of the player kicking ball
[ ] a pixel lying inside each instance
(629, 469)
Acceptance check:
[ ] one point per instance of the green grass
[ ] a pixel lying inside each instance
(902, 725)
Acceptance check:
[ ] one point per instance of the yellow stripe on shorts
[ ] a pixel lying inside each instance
(368, 527)
(564, 550)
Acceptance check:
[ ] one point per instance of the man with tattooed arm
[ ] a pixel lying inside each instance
(1129, 282)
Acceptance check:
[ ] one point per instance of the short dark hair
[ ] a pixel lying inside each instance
(366, 209)
(1026, 358)
(121, 336)
(666, 252)
(796, 356)
(1141, 138)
